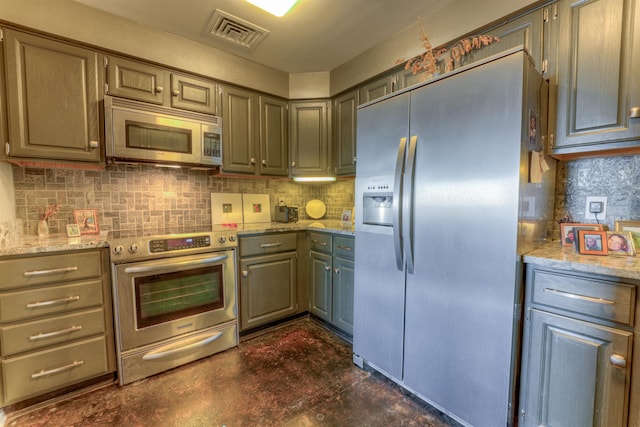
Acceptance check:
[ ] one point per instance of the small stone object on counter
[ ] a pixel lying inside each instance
(10, 232)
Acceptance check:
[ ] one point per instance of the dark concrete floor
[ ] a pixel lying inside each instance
(299, 374)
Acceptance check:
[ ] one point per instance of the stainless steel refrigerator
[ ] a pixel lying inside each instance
(451, 189)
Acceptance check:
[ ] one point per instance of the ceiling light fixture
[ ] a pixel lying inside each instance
(314, 178)
(275, 7)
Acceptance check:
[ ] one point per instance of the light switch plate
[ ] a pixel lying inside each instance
(601, 215)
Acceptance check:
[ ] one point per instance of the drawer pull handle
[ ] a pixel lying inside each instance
(345, 248)
(580, 297)
(170, 351)
(44, 373)
(319, 242)
(270, 245)
(53, 302)
(618, 361)
(55, 333)
(52, 271)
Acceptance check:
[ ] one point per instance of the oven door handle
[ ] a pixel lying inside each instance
(169, 265)
(171, 350)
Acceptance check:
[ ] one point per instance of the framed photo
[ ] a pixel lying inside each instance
(87, 220)
(620, 243)
(73, 230)
(346, 218)
(592, 242)
(568, 234)
(633, 227)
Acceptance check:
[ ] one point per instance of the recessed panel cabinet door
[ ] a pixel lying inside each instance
(575, 373)
(310, 151)
(343, 279)
(344, 133)
(274, 146)
(194, 94)
(240, 130)
(598, 87)
(135, 80)
(52, 99)
(320, 301)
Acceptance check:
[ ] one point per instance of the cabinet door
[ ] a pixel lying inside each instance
(239, 130)
(344, 133)
(378, 88)
(136, 80)
(310, 152)
(52, 99)
(343, 277)
(267, 289)
(598, 90)
(320, 299)
(575, 373)
(274, 146)
(194, 94)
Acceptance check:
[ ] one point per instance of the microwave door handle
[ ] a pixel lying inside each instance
(397, 208)
(407, 202)
(165, 265)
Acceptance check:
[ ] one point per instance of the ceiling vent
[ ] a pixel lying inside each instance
(235, 30)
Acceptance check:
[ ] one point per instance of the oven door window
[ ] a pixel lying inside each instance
(147, 136)
(164, 297)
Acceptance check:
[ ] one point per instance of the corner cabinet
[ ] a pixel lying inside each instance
(310, 125)
(52, 100)
(577, 350)
(598, 90)
(332, 279)
(268, 279)
(344, 133)
(274, 140)
(55, 323)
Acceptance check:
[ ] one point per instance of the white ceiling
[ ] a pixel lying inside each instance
(316, 35)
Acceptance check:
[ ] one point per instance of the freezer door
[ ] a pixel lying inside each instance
(461, 296)
(378, 328)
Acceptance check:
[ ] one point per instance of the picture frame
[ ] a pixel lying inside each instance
(592, 242)
(87, 220)
(73, 230)
(567, 230)
(620, 243)
(345, 219)
(633, 227)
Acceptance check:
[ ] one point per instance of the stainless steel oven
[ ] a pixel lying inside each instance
(175, 300)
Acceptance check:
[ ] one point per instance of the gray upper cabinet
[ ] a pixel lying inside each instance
(149, 83)
(598, 90)
(379, 87)
(240, 127)
(52, 100)
(310, 123)
(344, 133)
(274, 144)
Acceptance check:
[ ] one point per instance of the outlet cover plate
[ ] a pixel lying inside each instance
(601, 215)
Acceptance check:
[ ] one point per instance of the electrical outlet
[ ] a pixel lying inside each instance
(596, 206)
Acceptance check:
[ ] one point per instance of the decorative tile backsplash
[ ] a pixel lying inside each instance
(145, 197)
(136, 197)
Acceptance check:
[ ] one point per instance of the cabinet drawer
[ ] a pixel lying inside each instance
(51, 300)
(344, 247)
(36, 373)
(49, 269)
(320, 242)
(588, 296)
(267, 244)
(30, 336)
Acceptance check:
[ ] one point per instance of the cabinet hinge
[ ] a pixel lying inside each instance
(105, 61)
(554, 12)
(1, 35)
(106, 88)
(545, 15)
(528, 314)
(545, 65)
(7, 148)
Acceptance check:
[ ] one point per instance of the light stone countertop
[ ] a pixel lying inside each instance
(566, 258)
(328, 226)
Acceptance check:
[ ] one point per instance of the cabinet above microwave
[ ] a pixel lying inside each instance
(138, 132)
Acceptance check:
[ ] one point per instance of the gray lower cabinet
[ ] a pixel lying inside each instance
(268, 282)
(52, 100)
(55, 322)
(331, 279)
(577, 350)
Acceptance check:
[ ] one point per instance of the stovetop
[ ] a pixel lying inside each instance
(141, 244)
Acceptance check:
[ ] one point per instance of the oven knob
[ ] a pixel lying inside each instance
(118, 250)
(222, 239)
(232, 238)
(133, 248)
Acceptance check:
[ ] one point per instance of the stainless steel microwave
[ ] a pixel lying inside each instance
(141, 132)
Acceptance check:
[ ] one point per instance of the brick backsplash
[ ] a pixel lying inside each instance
(144, 197)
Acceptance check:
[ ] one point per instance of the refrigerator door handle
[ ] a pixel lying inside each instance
(407, 204)
(397, 207)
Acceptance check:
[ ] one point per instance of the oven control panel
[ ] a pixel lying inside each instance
(180, 243)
